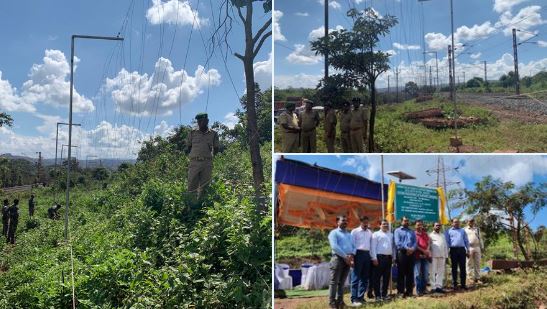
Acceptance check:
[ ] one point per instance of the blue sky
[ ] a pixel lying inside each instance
(520, 169)
(484, 26)
(124, 108)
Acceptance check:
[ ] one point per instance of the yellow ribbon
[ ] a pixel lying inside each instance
(390, 214)
(443, 217)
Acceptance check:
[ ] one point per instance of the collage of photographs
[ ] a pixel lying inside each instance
(288, 154)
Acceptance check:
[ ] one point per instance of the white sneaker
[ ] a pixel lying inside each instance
(356, 304)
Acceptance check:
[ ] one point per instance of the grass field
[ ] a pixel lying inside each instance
(394, 134)
(522, 289)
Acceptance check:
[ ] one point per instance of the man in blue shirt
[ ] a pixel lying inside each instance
(405, 243)
(343, 251)
(458, 244)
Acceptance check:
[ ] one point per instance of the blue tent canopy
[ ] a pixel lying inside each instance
(298, 173)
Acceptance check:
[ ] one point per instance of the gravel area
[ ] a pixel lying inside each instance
(521, 103)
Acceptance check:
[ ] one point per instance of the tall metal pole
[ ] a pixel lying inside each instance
(397, 84)
(437, 66)
(516, 61)
(453, 54)
(70, 117)
(383, 198)
(423, 45)
(450, 77)
(485, 77)
(388, 89)
(430, 77)
(327, 37)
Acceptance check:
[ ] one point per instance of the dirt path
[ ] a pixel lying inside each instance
(293, 303)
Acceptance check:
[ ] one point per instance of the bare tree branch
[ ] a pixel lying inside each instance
(239, 56)
(259, 32)
(257, 49)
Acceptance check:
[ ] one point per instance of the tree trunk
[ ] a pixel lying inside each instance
(252, 127)
(519, 239)
(372, 117)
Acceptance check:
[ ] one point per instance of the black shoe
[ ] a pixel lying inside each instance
(386, 298)
(441, 291)
(464, 287)
(369, 295)
(378, 299)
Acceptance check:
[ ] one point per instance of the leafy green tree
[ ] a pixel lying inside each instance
(5, 120)
(526, 81)
(352, 53)
(508, 80)
(475, 82)
(411, 89)
(492, 197)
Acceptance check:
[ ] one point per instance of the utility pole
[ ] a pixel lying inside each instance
(516, 61)
(450, 78)
(57, 141)
(73, 38)
(453, 56)
(326, 37)
(430, 77)
(397, 84)
(464, 79)
(485, 79)
(39, 170)
(388, 92)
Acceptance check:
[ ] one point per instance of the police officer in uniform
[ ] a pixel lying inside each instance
(358, 122)
(13, 221)
(201, 144)
(345, 119)
(309, 120)
(31, 206)
(288, 121)
(5, 218)
(330, 127)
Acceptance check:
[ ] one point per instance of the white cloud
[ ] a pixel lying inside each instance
(10, 101)
(439, 41)
(263, 72)
(391, 52)
(302, 14)
(505, 5)
(303, 55)
(526, 19)
(332, 3)
(300, 80)
(475, 56)
(277, 35)
(174, 12)
(160, 93)
(163, 129)
(48, 84)
(405, 46)
(542, 43)
(319, 32)
(230, 120)
(50, 123)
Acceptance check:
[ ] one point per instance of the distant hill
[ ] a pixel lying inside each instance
(108, 163)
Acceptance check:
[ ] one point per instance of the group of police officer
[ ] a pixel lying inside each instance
(10, 220)
(299, 130)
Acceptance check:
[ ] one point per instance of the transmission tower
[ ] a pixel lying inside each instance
(440, 173)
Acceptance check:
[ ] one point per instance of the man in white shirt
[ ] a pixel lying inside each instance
(382, 253)
(475, 246)
(439, 254)
(360, 274)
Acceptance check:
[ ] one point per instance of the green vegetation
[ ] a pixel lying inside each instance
(395, 134)
(16, 172)
(138, 240)
(506, 84)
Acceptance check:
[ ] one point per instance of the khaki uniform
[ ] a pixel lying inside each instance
(289, 139)
(200, 168)
(345, 119)
(358, 124)
(308, 137)
(474, 259)
(330, 129)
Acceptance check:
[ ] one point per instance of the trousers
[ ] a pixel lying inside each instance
(339, 271)
(436, 272)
